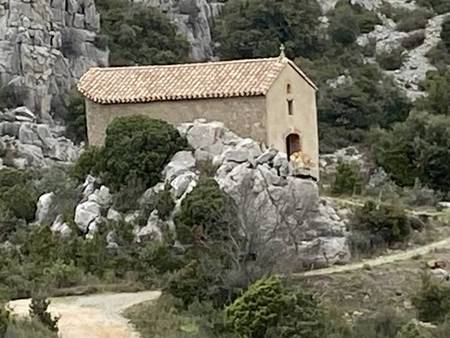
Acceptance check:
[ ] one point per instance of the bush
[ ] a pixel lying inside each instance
(20, 200)
(87, 164)
(385, 224)
(413, 40)
(391, 60)
(344, 25)
(268, 308)
(439, 6)
(416, 149)
(4, 319)
(414, 330)
(139, 147)
(24, 328)
(139, 34)
(445, 33)
(76, 118)
(348, 179)
(437, 86)
(432, 302)
(408, 21)
(38, 310)
(206, 214)
(254, 29)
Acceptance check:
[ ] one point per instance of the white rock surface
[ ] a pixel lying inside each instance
(44, 205)
(61, 227)
(152, 230)
(86, 215)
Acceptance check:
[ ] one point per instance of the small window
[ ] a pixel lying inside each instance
(290, 107)
(288, 89)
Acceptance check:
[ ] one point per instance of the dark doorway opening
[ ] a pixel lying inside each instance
(292, 144)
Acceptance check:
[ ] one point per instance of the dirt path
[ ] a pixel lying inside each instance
(94, 316)
(401, 256)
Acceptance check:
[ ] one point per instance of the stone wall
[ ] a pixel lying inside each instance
(243, 115)
(46, 46)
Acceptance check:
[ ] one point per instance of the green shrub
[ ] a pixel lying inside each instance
(437, 86)
(24, 328)
(414, 330)
(139, 34)
(76, 118)
(88, 163)
(256, 28)
(344, 26)
(38, 310)
(11, 177)
(416, 149)
(445, 33)
(139, 147)
(4, 319)
(20, 200)
(268, 308)
(391, 60)
(408, 21)
(348, 179)
(439, 6)
(432, 302)
(386, 224)
(413, 40)
(206, 214)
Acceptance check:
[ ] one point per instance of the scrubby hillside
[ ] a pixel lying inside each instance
(205, 215)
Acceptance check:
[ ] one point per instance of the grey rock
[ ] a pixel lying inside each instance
(61, 227)
(114, 215)
(43, 209)
(181, 183)
(102, 197)
(86, 215)
(267, 156)
(152, 230)
(23, 114)
(180, 163)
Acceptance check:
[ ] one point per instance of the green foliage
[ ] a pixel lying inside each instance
(439, 6)
(369, 99)
(413, 330)
(4, 319)
(24, 328)
(88, 163)
(251, 29)
(416, 149)
(17, 196)
(139, 147)
(348, 179)
(383, 223)
(269, 308)
(413, 40)
(445, 33)
(348, 21)
(139, 34)
(38, 310)
(162, 201)
(437, 86)
(76, 118)
(432, 302)
(411, 20)
(206, 214)
(391, 59)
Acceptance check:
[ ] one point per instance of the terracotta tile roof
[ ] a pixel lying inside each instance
(183, 82)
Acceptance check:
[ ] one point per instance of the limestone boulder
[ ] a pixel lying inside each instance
(152, 230)
(44, 205)
(61, 227)
(86, 215)
(181, 162)
(102, 197)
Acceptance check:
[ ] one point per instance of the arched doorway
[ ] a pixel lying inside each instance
(293, 144)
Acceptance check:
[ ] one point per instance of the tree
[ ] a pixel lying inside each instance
(416, 149)
(38, 309)
(137, 147)
(251, 29)
(348, 179)
(344, 26)
(445, 33)
(267, 307)
(76, 118)
(437, 86)
(140, 34)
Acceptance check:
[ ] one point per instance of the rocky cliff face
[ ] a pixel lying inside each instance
(46, 45)
(193, 19)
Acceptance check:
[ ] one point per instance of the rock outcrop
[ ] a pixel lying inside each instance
(45, 46)
(194, 19)
(26, 143)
